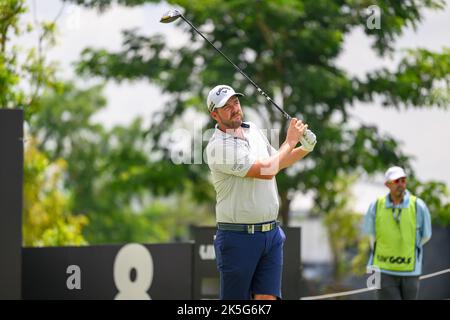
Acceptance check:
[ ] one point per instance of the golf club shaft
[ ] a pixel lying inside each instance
(286, 115)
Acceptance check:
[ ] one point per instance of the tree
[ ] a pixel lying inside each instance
(114, 177)
(47, 218)
(25, 75)
(342, 225)
(76, 171)
(291, 48)
(437, 198)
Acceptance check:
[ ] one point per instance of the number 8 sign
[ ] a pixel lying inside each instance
(131, 257)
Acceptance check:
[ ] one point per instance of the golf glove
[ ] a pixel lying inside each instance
(308, 141)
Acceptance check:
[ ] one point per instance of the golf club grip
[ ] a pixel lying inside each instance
(285, 114)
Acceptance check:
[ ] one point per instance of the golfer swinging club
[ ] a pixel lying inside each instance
(248, 242)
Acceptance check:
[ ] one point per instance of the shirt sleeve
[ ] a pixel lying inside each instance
(369, 220)
(425, 225)
(230, 158)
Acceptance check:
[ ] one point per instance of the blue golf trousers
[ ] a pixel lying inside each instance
(248, 263)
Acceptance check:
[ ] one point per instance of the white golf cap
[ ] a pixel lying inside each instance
(219, 95)
(394, 173)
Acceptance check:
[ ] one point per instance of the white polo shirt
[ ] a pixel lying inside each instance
(241, 199)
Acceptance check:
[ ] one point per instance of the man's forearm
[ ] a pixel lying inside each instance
(280, 160)
(294, 156)
(286, 156)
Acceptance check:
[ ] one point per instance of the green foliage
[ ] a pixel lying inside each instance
(63, 123)
(111, 178)
(24, 76)
(115, 177)
(24, 72)
(47, 218)
(9, 77)
(162, 220)
(418, 69)
(359, 262)
(437, 198)
(125, 182)
(342, 225)
(105, 4)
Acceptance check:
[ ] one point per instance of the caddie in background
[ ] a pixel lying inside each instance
(398, 225)
(248, 242)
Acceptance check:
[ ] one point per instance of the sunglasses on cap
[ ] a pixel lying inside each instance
(397, 181)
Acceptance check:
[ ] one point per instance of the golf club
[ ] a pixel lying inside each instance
(173, 15)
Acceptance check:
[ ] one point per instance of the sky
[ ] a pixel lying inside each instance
(424, 134)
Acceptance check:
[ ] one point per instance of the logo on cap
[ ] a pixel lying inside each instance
(224, 89)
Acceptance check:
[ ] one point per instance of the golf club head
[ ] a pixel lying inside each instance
(170, 16)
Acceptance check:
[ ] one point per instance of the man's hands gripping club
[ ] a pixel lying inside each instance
(295, 131)
(288, 154)
(306, 137)
(308, 141)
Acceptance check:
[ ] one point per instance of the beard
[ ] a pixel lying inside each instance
(400, 192)
(234, 122)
